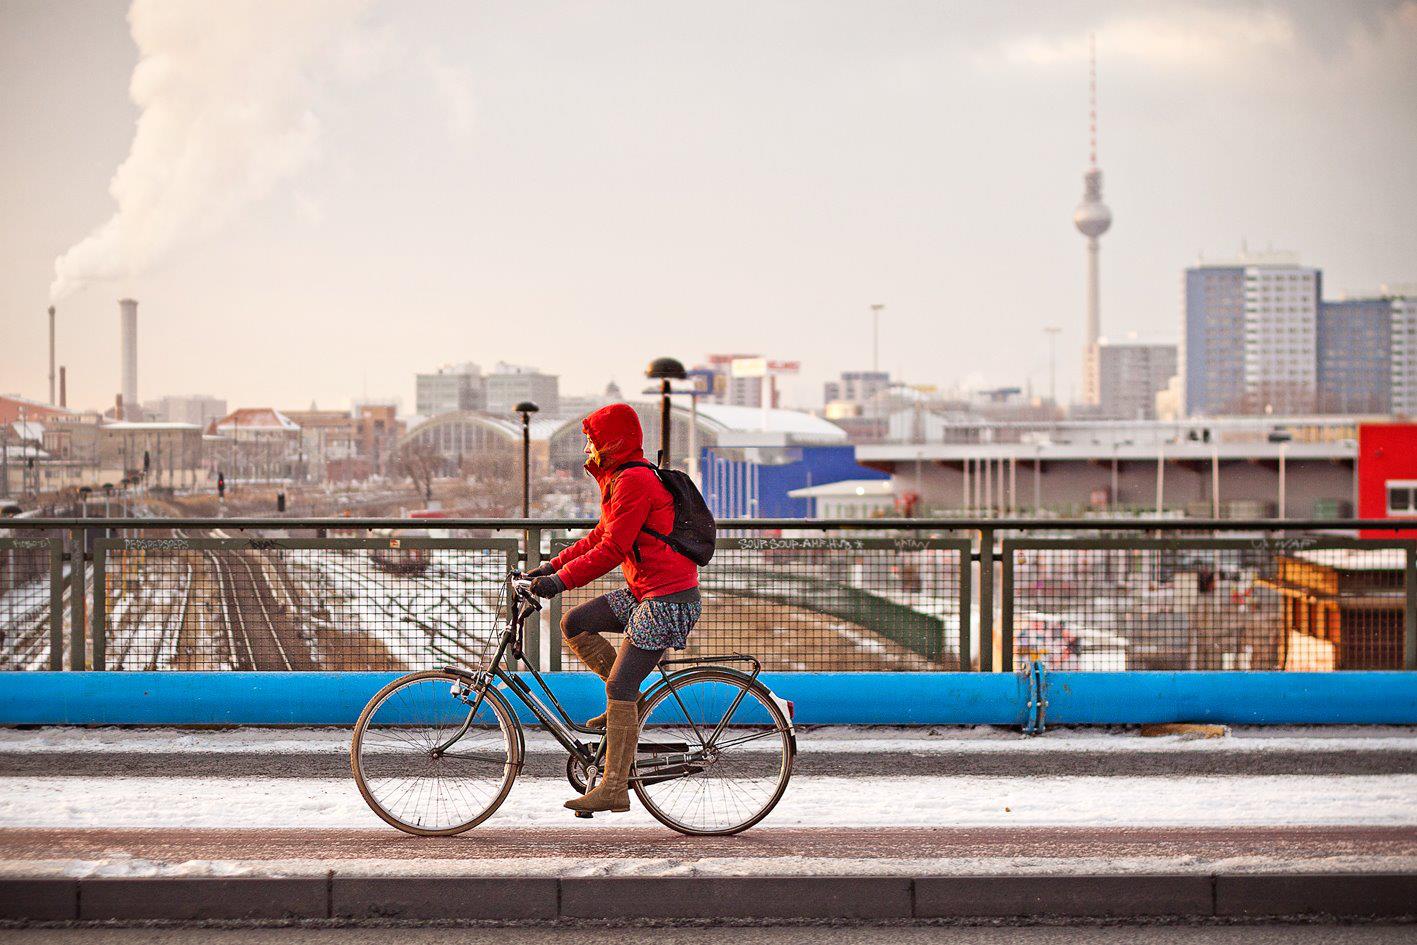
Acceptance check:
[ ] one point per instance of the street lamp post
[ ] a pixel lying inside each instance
(664, 370)
(526, 408)
(876, 309)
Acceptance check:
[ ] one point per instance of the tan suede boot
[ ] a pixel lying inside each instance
(598, 723)
(622, 734)
(596, 652)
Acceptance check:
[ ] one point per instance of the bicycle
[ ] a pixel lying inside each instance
(436, 752)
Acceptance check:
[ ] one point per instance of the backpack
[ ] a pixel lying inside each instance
(693, 533)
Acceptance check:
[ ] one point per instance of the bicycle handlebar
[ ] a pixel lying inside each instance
(521, 589)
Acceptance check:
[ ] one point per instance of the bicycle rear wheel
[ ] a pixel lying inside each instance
(411, 776)
(715, 753)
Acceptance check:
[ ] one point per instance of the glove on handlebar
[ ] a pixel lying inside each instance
(541, 570)
(547, 585)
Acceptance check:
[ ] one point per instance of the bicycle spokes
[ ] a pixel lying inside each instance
(427, 762)
(715, 754)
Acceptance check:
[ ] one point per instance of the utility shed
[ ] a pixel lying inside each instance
(1354, 600)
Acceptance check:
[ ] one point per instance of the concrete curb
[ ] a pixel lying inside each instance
(1364, 895)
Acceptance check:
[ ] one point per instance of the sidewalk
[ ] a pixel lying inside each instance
(249, 822)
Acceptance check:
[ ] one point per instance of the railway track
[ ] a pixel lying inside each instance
(258, 632)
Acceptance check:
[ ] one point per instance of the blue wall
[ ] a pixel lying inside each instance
(728, 490)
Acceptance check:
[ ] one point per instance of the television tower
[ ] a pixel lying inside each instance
(1092, 218)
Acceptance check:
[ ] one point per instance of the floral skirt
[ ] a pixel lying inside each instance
(654, 624)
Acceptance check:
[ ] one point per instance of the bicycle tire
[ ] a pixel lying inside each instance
(411, 744)
(651, 730)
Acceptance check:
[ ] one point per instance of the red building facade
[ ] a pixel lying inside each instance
(1387, 475)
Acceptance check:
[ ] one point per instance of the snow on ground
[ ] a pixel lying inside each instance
(863, 739)
(822, 802)
(120, 864)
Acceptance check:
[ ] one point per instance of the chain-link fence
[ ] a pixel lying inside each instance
(31, 581)
(1205, 604)
(818, 604)
(293, 604)
(801, 599)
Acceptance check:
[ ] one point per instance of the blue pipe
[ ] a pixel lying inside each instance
(330, 698)
(1238, 698)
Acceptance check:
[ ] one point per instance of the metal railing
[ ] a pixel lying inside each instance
(802, 595)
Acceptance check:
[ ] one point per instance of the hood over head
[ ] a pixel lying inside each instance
(615, 431)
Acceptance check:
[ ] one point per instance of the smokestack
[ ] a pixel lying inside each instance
(128, 312)
(63, 387)
(51, 355)
(117, 406)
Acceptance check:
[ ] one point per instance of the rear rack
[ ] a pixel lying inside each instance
(716, 658)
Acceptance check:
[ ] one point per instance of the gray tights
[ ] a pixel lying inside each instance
(632, 664)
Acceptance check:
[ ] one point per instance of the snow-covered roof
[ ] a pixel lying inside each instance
(1355, 559)
(541, 428)
(19, 453)
(28, 429)
(795, 424)
(257, 418)
(846, 489)
(149, 426)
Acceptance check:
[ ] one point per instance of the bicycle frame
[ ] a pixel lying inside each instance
(521, 604)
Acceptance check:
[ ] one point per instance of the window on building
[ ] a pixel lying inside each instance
(1402, 497)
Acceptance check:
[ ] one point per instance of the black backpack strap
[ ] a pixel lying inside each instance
(635, 548)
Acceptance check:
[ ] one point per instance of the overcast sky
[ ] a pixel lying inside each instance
(330, 197)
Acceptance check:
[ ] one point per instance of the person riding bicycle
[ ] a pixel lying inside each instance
(655, 610)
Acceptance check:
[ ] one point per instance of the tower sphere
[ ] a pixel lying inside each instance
(1092, 218)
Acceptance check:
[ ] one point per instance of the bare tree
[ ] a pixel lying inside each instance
(421, 463)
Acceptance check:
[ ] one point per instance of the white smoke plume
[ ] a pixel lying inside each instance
(225, 90)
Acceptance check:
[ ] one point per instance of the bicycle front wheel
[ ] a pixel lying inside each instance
(427, 768)
(715, 753)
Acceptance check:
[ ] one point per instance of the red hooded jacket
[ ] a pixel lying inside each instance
(629, 500)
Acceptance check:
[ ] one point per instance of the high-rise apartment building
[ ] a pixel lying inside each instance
(856, 387)
(1212, 351)
(510, 384)
(1129, 376)
(451, 388)
(1249, 338)
(1404, 353)
(1259, 338)
(1355, 363)
(196, 408)
(727, 389)
(1281, 339)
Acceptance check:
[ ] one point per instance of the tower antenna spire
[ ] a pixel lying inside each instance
(1092, 218)
(1092, 98)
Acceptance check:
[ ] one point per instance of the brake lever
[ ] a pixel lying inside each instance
(522, 589)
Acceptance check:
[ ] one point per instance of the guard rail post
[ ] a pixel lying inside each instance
(535, 632)
(56, 606)
(966, 598)
(1409, 648)
(986, 600)
(99, 611)
(77, 589)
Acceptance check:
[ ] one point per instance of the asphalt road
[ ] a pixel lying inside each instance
(1161, 764)
(771, 935)
(1063, 843)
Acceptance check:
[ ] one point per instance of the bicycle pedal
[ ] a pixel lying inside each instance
(584, 813)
